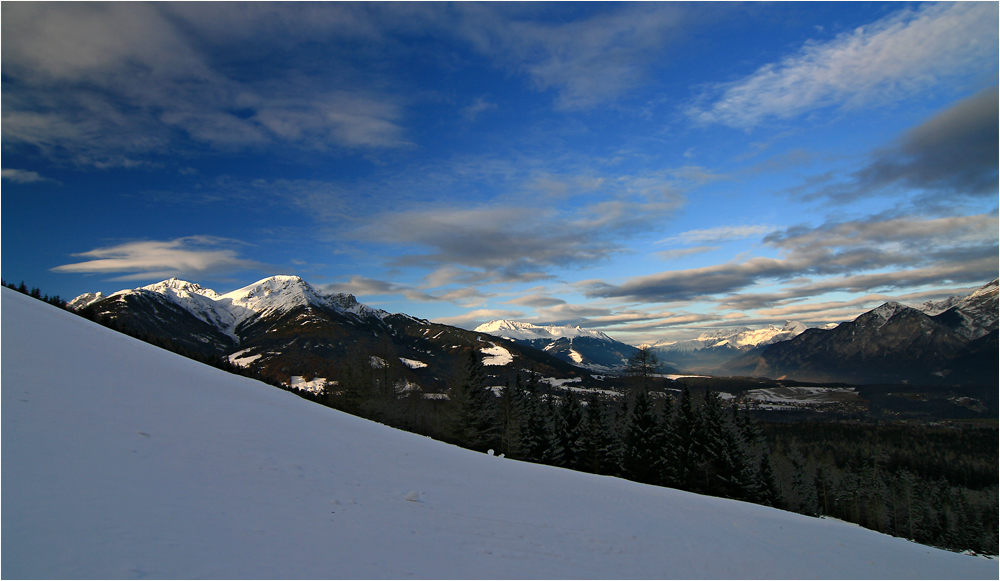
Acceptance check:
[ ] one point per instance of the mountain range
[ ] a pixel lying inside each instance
(949, 342)
(284, 329)
(586, 348)
(709, 351)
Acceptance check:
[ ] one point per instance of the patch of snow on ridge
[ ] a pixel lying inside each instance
(314, 385)
(412, 363)
(233, 478)
(238, 358)
(496, 355)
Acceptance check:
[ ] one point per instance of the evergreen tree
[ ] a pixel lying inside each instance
(642, 365)
(803, 493)
(643, 443)
(685, 455)
(476, 426)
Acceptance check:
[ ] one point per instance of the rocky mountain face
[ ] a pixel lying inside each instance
(585, 348)
(710, 351)
(285, 329)
(953, 342)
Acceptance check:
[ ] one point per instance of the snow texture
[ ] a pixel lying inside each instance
(412, 363)
(121, 460)
(496, 355)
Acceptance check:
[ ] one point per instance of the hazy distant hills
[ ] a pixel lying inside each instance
(710, 351)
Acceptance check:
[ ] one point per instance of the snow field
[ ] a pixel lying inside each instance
(121, 460)
(496, 355)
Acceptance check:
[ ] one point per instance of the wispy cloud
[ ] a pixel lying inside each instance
(719, 234)
(195, 256)
(903, 53)
(585, 61)
(682, 252)
(479, 105)
(21, 176)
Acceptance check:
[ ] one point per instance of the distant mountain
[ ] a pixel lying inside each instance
(709, 351)
(586, 348)
(972, 316)
(952, 342)
(284, 328)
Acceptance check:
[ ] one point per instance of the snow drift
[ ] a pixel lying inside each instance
(121, 460)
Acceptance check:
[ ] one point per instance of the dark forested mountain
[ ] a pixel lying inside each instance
(952, 342)
(284, 329)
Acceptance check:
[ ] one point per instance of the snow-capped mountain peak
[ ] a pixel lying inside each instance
(179, 287)
(881, 314)
(83, 300)
(275, 294)
(739, 338)
(526, 331)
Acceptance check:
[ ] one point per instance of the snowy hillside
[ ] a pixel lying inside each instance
(121, 460)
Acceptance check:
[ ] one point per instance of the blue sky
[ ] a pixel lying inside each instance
(651, 170)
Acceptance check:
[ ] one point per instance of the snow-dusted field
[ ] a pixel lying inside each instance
(121, 460)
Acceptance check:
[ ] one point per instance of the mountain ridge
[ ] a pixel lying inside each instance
(282, 327)
(593, 350)
(892, 343)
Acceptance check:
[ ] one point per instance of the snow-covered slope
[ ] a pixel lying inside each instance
(123, 460)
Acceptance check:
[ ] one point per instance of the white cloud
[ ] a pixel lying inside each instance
(890, 59)
(21, 176)
(188, 256)
(719, 234)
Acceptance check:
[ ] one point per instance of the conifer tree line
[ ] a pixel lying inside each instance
(35, 293)
(936, 486)
(696, 444)
(933, 485)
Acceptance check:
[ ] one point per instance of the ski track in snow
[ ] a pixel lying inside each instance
(121, 460)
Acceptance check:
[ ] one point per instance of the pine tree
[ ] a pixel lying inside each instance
(643, 443)
(476, 425)
(684, 448)
(642, 366)
(803, 497)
